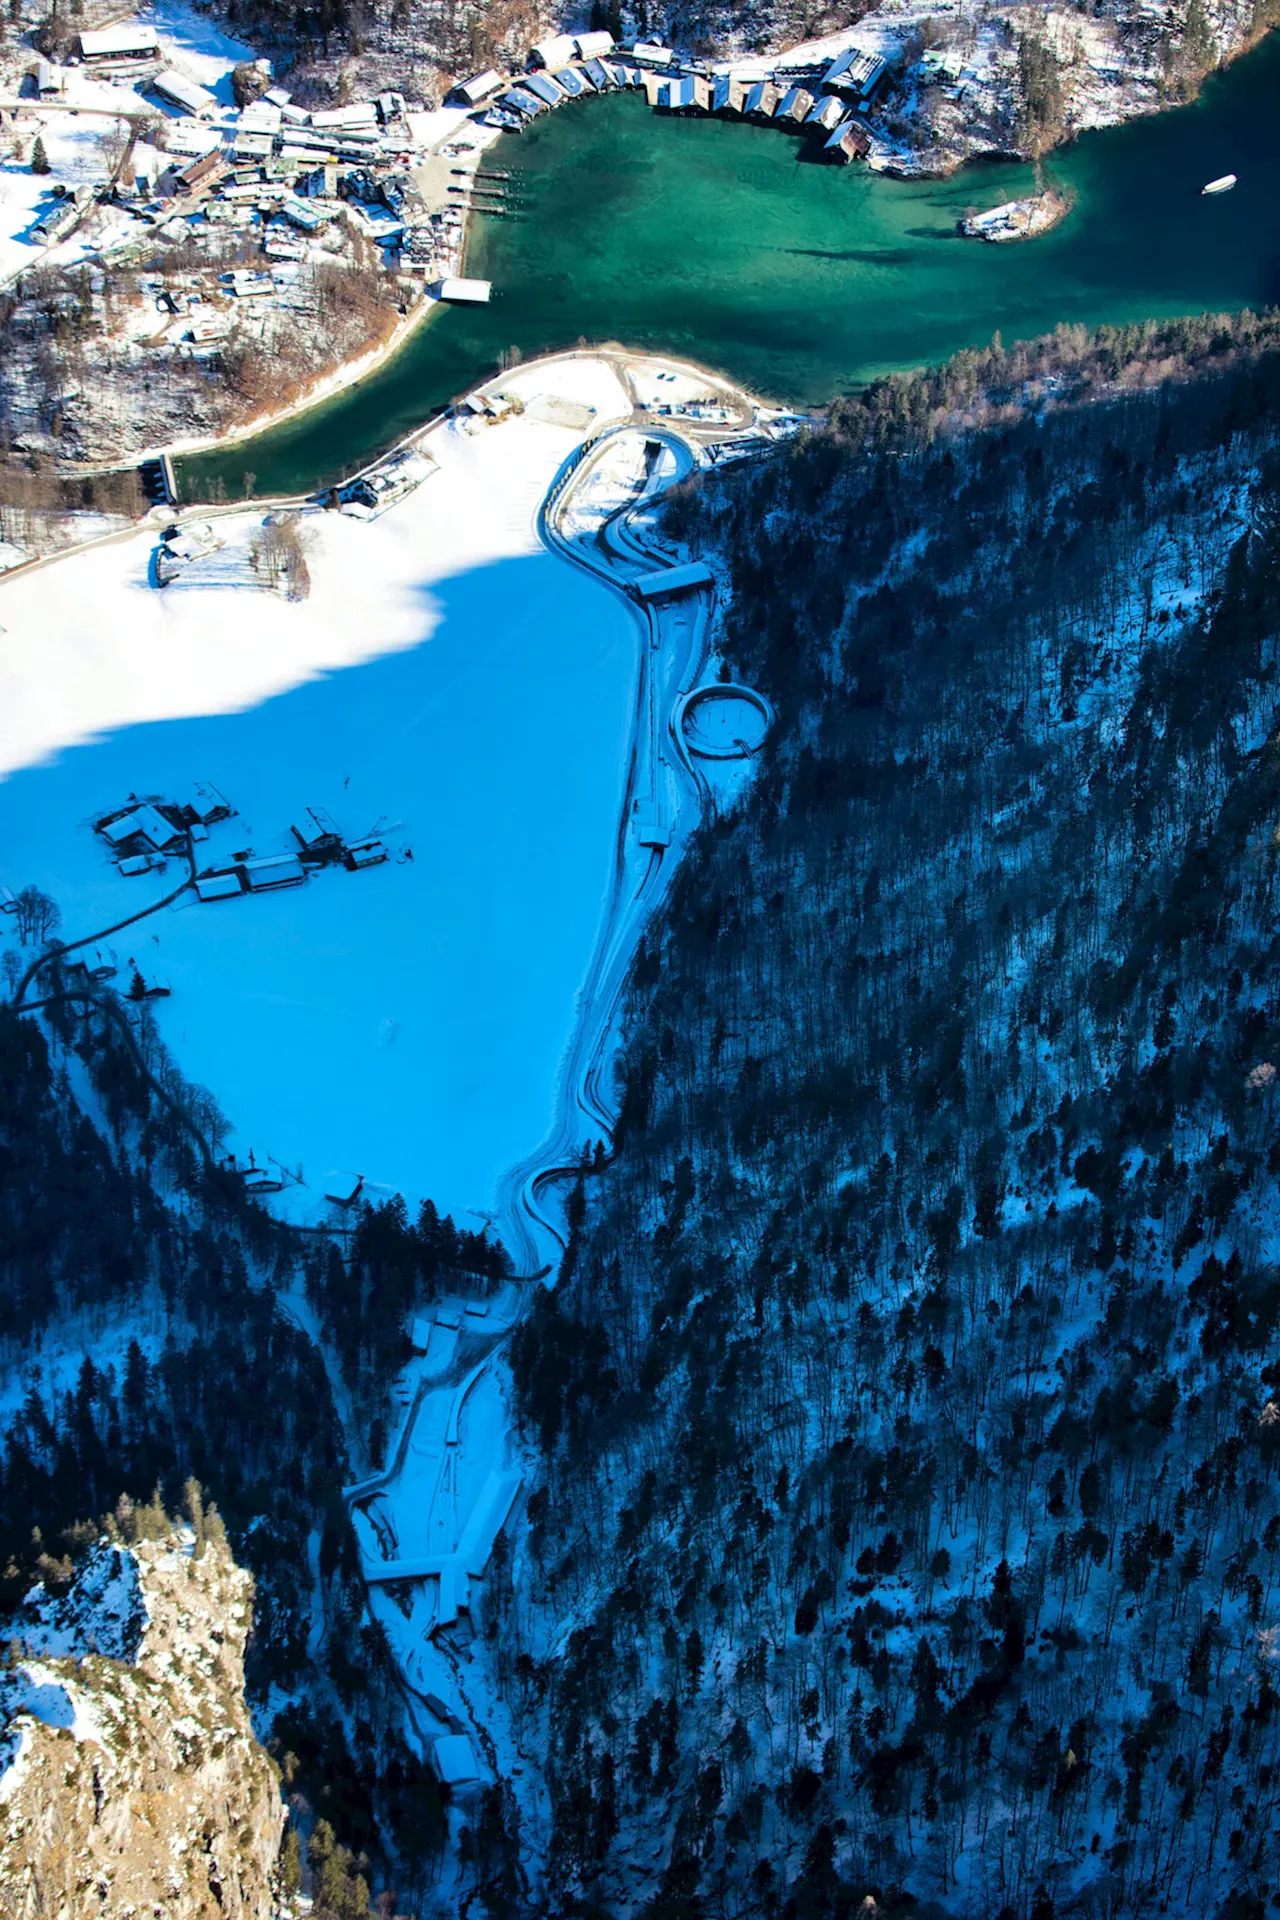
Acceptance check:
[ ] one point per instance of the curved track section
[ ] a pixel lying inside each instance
(663, 799)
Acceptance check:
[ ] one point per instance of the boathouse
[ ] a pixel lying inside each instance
(826, 115)
(554, 52)
(762, 101)
(467, 293)
(544, 88)
(689, 95)
(728, 95)
(571, 82)
(519, 100)
(603, 79)
(850, 141)
(793, 108)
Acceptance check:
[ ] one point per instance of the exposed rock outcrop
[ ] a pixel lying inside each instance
(131, 1782)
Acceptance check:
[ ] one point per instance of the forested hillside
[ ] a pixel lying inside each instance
(910, 1406)
(150, 1330)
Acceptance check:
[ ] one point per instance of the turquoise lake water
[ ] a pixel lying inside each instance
(718, 241)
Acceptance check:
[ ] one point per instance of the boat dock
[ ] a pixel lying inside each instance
(823, 105)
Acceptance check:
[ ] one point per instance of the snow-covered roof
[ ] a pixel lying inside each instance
(553, 52)
(128, 41)
(454, 1761)
(184, 93)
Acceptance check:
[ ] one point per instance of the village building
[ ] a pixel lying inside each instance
(177, 91)
(855, 75)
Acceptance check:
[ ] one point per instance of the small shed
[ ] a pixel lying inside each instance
(365, 853)
(218, 886)
(51, 81)
(274, 870)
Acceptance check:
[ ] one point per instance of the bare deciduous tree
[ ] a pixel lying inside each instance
(39, 917)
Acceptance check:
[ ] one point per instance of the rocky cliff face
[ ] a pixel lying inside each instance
(130, 1778)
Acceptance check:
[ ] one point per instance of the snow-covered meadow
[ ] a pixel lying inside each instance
(447, 684)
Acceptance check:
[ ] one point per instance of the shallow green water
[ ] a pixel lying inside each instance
(718, 241)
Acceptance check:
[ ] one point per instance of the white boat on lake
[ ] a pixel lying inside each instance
(1222, 185)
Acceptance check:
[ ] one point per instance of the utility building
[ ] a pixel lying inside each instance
(673, 582)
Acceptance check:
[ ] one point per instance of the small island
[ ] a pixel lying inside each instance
(1017, 219)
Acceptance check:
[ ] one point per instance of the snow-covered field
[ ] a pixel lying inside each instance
(447, 684)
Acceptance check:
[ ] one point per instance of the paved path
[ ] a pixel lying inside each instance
(673, 641)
